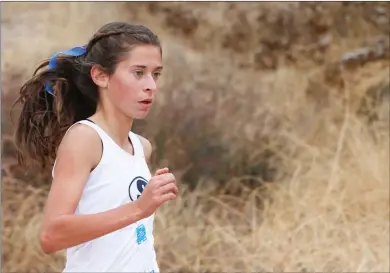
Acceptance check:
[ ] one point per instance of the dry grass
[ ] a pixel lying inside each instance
(332, 213)
(318, 197)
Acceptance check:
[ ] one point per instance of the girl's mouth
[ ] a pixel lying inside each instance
(146, 101)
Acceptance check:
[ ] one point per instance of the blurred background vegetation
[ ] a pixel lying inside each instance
(273, 116)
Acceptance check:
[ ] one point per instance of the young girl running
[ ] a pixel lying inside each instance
(77, 114)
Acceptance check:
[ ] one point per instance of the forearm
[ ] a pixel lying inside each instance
(70, 230)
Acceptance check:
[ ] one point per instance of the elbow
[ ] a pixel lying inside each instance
(46, 242)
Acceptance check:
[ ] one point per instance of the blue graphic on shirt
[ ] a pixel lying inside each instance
(141, 234)
(136, 187)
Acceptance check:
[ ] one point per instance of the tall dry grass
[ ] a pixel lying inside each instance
(331, 214)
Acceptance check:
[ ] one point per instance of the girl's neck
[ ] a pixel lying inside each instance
(115, 124)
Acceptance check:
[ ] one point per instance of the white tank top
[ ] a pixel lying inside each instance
(118, 179)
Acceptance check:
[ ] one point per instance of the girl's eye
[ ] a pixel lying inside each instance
(156, 75)
(139, 73)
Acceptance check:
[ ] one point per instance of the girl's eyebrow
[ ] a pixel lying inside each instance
(144, 67)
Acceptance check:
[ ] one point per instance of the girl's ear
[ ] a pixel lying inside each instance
(99, 76)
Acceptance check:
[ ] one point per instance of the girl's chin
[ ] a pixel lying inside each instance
(140, 115)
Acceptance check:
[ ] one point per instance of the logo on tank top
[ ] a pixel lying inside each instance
(136, 187)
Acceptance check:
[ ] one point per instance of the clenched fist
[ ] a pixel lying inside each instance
(160, 189)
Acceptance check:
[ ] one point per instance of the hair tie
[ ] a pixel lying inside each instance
(76, 51)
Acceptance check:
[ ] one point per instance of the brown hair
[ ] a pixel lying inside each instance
(44, 117)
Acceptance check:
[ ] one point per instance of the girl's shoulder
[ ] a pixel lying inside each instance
(81, 142)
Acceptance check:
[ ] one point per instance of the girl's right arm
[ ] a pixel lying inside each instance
(79, 152)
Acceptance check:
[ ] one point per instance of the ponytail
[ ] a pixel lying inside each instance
(52, 100)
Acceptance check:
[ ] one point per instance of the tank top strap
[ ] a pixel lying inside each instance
(107, 141)
(91, 124)
(137, 145)
(103, 135)
(135, 140)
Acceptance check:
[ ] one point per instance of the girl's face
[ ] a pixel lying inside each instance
(133, 86)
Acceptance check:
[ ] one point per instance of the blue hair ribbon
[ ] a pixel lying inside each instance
(76, 51)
